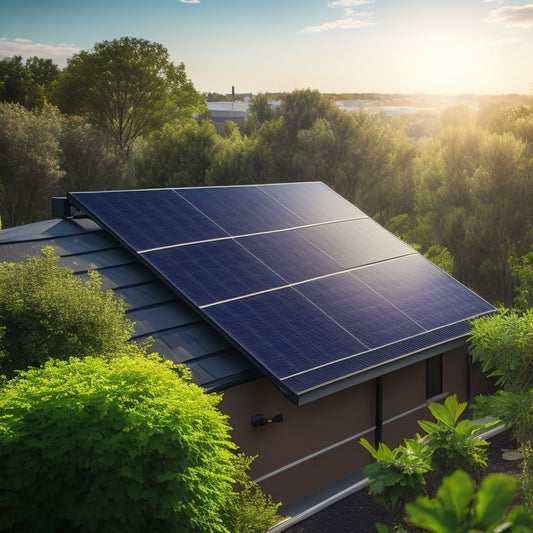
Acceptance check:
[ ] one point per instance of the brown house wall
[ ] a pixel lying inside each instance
(318, 443)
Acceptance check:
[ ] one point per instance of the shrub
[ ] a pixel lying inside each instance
(503, 345)
(47, 311)
(459, 508)
(248, 509)
(125, 444)
(398, 475)
(455, 445)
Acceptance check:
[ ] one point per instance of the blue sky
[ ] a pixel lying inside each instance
(387, 46)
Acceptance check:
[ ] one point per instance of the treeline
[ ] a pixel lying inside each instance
(123, 116)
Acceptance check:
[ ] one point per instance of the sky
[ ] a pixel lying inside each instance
(336, 46)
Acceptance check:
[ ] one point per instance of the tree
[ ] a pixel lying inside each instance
(126, 443)
(128, 87)
(178, 155)
(29, 163)
(27, 84)
(87, 160)
(47, 311)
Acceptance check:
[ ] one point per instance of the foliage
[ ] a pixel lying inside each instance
(397, 476)
(47, 311)
(27, 84)
(503, 345)
(177, 155)
(87, 160)
(123, 444)
(526, 477)
(455, 444)
(248, 509)
(515, 409)
(474, 190)
(128, 87)
(459, 508)
(29, 163)
(522, 269)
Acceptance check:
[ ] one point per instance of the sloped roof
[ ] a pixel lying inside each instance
(178, 331)
(310, 289)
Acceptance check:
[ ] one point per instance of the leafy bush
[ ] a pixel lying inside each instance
(459, 508)
(248, 509)
(47, 311)
(503, 345)
(455, 445)
(124, 444)
(398, 475)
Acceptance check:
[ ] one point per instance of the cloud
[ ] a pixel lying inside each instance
(59, 53)
(519, 16)
(349, 3)
(190, 1)
(349, 21)
(505, 42)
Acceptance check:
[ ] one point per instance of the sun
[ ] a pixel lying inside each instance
(445, 64)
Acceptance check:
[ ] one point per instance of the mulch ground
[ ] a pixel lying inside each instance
(358, 512)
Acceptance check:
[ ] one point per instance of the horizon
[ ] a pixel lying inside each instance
(451, 47)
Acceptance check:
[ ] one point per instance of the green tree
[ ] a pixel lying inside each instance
(522, 269)
(47, 311)
(126, 443)
(178, 155)
(29, 163)
(259, 112)
(27, 84)
(128, 87)
(87, 160)
(473, 196)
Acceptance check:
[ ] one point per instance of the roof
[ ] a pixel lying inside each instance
(307, 287)
(178, 331)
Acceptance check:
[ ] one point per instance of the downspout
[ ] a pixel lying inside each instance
(378, 435)
(468, 378)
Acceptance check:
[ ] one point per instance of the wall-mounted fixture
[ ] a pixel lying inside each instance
(262, 420)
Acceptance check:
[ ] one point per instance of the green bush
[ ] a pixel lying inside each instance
(452, 444)
(459, 508)
(124, 444)
(248, 509)
(398, 475)
(503, 345)
(47, 311)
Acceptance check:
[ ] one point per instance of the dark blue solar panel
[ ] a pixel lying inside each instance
(241, 210)
(313, 202)
(148, 219)
(355, 243)
(284, 332)
(333, 323)
(423, 291)
(213, 271)
(348, 367)
(360, 310)
(290, 255)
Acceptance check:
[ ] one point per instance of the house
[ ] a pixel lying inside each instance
(319, 326)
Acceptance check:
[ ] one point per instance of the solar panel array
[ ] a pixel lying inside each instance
(300, 280)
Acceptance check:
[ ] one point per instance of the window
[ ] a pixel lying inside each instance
(434, 376)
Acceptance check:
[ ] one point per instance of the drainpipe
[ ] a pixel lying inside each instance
(468, 378)
(378, 436)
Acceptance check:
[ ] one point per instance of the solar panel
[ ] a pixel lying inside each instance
(307, 286)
